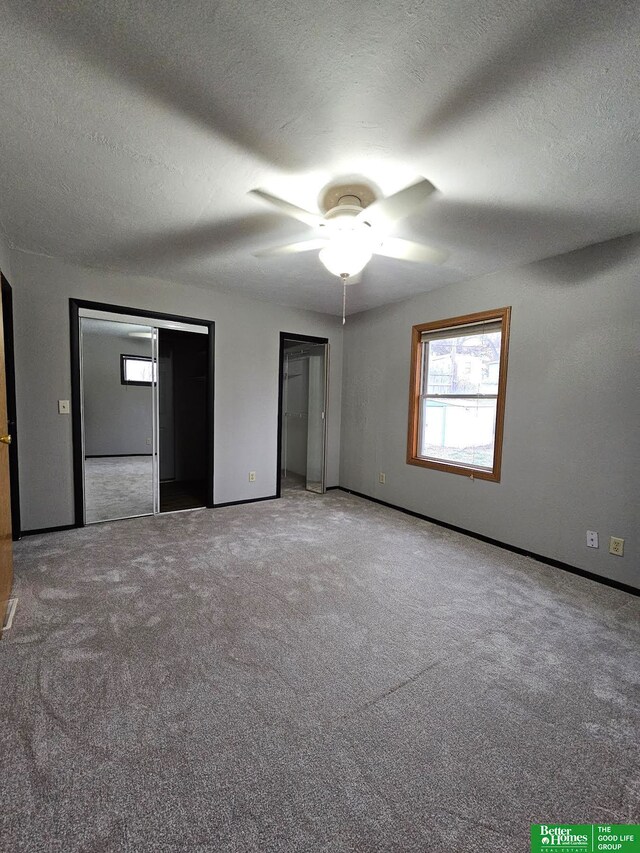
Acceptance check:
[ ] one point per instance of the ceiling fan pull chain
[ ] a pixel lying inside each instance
(344, 298)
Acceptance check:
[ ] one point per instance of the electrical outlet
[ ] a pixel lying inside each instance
(382, 478)
(63, 407)
(148, 441)
(252, 476)
(616, 546)
(592, 539)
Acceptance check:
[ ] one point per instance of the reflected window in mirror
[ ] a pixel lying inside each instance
(136, 370)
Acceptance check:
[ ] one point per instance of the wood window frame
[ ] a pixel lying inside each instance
(503, 315)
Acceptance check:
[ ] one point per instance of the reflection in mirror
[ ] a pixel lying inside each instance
(295, 393)
(316, 418)
(117, 365)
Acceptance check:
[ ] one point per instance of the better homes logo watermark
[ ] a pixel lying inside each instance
(585, 838)
(569, 838)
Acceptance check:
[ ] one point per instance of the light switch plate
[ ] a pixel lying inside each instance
(63, 407)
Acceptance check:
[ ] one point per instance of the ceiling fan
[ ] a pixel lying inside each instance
(356, 226)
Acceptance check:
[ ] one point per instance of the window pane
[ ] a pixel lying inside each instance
(466, 364)
(458, 431)
(137, 370)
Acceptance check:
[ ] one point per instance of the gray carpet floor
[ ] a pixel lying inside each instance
(317, 674)
(118, 487)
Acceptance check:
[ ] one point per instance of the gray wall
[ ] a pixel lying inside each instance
(571, 458)
(117, 417)
(5, 260)
(246, 377)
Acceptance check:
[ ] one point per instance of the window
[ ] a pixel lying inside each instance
(136, 370)
(458, 383)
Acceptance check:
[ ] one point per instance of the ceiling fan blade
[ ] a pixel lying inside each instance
(291, 248)
(385, 212)
(312, 219)
(407, 250)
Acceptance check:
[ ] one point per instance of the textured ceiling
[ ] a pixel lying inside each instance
(132, 132)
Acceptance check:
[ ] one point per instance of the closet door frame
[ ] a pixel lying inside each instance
(75, 305)
(303, 339)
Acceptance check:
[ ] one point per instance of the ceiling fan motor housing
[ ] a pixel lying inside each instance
(360, 193)
(341, 217)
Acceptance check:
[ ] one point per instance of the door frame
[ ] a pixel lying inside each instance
(304, 339)
(76, 390)
(12, 417)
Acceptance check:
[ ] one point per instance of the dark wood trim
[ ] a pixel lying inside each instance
(50, 529)
(280, 418)
(140, 312)
(12, 417)
(74, 318)
(76, 412)
(114, 455)
(303, 339)
(549, 561)
(247, 501)
(211, 389)
(415, 394)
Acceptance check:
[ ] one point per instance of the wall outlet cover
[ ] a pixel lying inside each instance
(616, 546)
(592, 539)
(252, 476)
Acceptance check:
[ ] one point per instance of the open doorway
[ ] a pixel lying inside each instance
(182, 419)
(302, 412)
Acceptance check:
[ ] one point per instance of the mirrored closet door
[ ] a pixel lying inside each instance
(119, 384)
(145, 391)
(316, 417)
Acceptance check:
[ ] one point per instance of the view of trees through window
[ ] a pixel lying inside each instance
(457, 400)
(460, 376)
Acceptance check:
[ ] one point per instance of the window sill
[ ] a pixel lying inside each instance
(451, 468)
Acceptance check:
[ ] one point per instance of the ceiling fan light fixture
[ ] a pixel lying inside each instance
(355, 226)
(346, 254)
